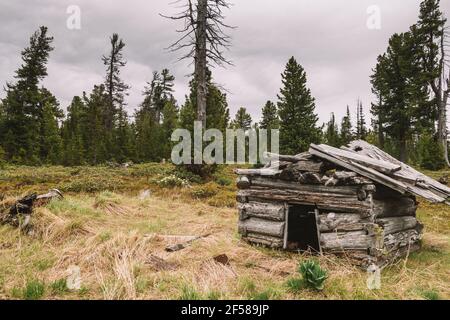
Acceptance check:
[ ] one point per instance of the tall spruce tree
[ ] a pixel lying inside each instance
(270, 119)
(346, 135)
(73, 132)
(114, 85)
(242, 120)
(332, 132)
(23, 106)
(296, 109)
(361, 129)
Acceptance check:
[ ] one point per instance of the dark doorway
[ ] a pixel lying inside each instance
(302, 233)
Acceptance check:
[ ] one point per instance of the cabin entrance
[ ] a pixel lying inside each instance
(302, 233)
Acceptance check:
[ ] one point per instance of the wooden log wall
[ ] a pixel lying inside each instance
(354, 219)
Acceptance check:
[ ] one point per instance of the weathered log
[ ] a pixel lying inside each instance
(342, 222)
(260, 226)
(323, 200)
(309, 166)
(395, 207)
(257, 172)
(317, 189)
(398, 253)
(296, 158)
(241, 198)
(347, 240)
(243, 182)
(400, 239)
(331, 182)
(270, 211)
(397, 224)
(268, 241)
(311, 178)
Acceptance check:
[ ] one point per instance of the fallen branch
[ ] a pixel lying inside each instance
(183, 245)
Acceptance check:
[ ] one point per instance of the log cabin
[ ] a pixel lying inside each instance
(355, 201)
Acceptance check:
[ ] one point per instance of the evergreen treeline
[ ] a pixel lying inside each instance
(407, 114)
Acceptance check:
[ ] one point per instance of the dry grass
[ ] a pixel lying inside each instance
(119, 240)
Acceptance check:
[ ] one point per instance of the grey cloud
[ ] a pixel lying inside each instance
(329, 38)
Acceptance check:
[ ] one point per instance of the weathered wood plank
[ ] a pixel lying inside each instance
(362, 170)
(347, 240)
(326, 191)
(323, 201)
(257, 172)
(342, 222)
(397, 224)
(400, 239)
(260, 239)
(394, 207)
(270, 211)
(261, 226)
(299, 157)
(379, 165)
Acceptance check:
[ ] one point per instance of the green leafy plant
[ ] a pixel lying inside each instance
(313, 275)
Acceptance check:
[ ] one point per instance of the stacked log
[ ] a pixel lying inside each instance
(356, 217)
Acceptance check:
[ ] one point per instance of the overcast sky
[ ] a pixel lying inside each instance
(330, 38)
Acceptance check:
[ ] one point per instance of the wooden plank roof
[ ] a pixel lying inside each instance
(375, 164)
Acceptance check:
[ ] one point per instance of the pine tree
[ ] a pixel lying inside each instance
(169, 124)
(346, 135)
(242, 120)
(332, 132)
(24, 102)
(270, 119)
(95, 129)
(73, 132)
(217, 112)
(296, 109)
(115, 88)
(361, 130)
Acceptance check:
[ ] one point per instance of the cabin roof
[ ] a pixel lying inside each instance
(368, 161)
(371, 162)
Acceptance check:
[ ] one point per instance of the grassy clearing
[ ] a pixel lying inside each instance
(117, 238)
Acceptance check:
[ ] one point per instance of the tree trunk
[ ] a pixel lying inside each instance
(200, 61)
(442, 97)
(403, 153)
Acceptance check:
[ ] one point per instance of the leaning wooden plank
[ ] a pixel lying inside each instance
(427, 194)
(261, 226)
(379, 165)
(364, 171)
(397, 224)
(347, 240)
(258, 172)
(270, 211)
(341, 222)
(407, 172)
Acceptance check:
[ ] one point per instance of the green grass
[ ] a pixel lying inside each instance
(34, 290)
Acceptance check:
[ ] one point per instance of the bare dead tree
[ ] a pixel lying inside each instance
(442, 92)
(204, 39)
